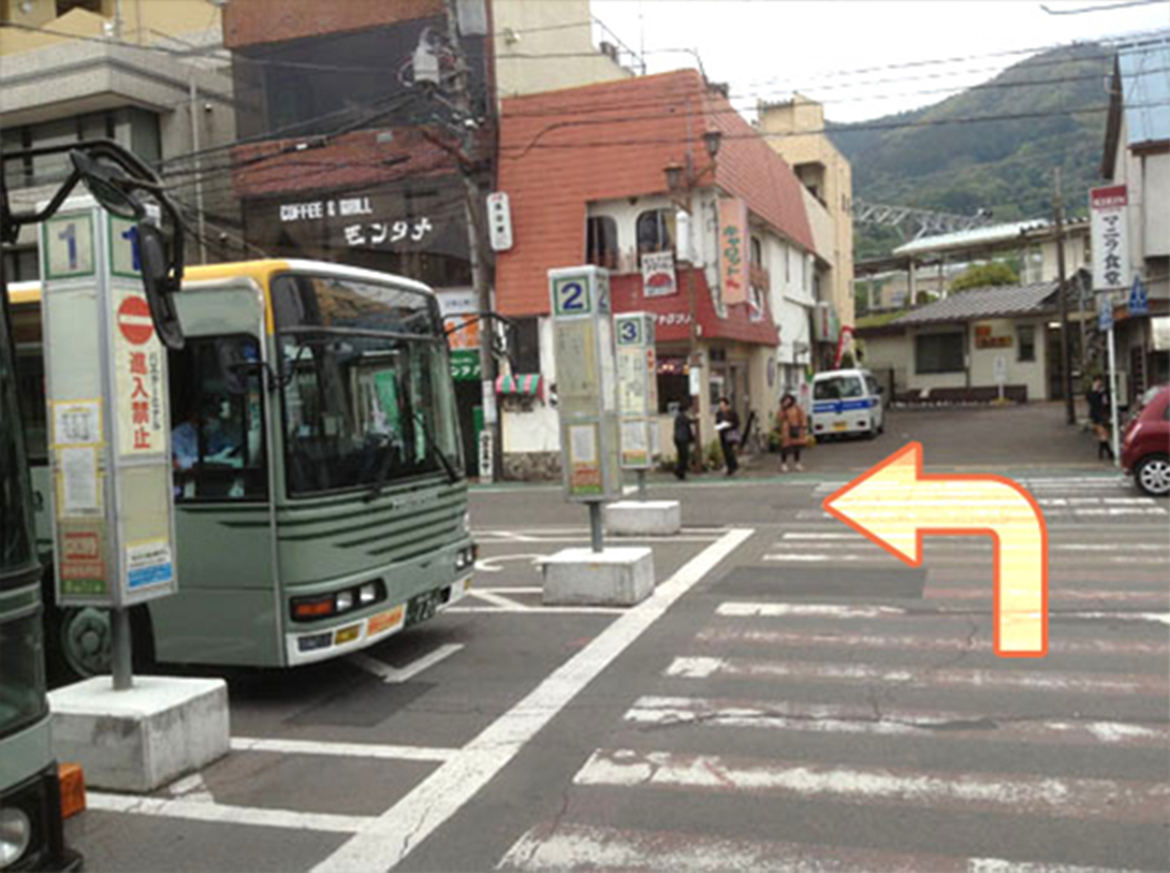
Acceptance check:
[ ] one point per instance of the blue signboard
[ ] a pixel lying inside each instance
(1104, 313)
(1139, 299)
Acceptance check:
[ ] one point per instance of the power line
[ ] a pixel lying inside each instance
(875, 126)
(1111, 6)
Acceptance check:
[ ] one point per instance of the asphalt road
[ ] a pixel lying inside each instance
(790, 698)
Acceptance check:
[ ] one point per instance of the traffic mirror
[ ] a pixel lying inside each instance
(160, 285)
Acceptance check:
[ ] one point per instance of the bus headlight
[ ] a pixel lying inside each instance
(368, 593)
(344, 601)
(15, 833)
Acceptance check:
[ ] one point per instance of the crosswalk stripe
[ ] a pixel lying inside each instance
(984, 593)
(837, 542)
(861, 719)
(1098, 799)
(963, 554)
(918, 642)
(752, 609)
(572, 846)
(702, 667)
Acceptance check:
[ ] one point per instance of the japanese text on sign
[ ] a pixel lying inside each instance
(733, 237)
(1109, 237)
(138, 372)
(381, 233)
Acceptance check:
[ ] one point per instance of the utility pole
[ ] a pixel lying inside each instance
(1065, 367)
(460, 98)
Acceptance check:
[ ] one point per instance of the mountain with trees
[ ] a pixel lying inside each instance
(936, 157)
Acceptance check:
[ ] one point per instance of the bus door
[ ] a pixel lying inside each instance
(226, 608)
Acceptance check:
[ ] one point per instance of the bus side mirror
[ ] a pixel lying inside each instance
(160, 285)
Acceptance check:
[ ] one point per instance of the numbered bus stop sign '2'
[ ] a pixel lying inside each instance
(894, 504)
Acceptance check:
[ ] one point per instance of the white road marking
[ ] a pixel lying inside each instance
(1095, 799)
(984, 593)
(749, 609)
(490, 565)
(1002, 680)
(860, 719)
(497, 599)
(571, 846)
(227, 814)
(511, 589)
(724, 636)
(191, 788)
(388, 839)
(393, 675)
(741, 609)
(342, 750)
(539, 610)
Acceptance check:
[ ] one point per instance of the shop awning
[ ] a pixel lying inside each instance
(523, 383)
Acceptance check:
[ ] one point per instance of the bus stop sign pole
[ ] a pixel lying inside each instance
(109, 434)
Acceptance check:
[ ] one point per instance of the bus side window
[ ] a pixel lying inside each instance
(217, 441)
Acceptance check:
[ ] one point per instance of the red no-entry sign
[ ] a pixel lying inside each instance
(134, 320)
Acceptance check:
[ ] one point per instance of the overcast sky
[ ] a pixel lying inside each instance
(765, 49)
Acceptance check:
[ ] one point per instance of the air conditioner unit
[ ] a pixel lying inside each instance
(609, 50)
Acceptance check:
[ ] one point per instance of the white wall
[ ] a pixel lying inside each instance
(1019, 372)
(1156, 199)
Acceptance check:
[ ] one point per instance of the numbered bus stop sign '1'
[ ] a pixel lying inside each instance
(106, 388)
(637, 389)
(586, 376)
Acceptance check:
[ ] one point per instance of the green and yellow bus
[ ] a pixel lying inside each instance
(320, 487)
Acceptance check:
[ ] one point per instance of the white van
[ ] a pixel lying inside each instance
(846, 402)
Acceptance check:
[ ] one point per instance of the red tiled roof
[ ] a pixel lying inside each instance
(561, 149)
(353, 160)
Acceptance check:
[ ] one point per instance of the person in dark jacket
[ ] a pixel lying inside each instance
(1099, 411)
(683, 437)
(727, 423)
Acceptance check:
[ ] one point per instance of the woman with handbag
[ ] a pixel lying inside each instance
(727, 423)
(793, 431)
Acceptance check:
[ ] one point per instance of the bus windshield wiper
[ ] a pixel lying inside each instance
(433, 447)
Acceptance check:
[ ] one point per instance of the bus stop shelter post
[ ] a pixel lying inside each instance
(642, 485)
(122, 655)
(595, 534)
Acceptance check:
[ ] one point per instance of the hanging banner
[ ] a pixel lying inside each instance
(658, 279)
(733, 242)
(1109, 237)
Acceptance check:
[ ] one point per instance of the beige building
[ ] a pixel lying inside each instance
(544, 46)
(145, 73)
(828, 177)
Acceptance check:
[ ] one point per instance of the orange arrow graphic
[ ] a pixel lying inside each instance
(895, 504)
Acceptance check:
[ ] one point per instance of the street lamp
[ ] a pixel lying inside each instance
(681, 181)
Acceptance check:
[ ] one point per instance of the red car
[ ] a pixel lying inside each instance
(1145, 449)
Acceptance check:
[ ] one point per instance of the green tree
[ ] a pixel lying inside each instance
(982, 275)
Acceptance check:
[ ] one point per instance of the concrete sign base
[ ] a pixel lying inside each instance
(655, 518)
(613, 577)
(144, 738)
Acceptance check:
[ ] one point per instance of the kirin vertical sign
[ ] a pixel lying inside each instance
(733, 242)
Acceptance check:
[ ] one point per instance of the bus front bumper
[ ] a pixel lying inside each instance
(352, 636)
(39, 800)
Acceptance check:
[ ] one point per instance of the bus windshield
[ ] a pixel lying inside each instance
(368, 398)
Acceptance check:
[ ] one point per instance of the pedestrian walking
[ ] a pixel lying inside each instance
(1099, 409)
(793, 425)
(684, 435)
(727, 423)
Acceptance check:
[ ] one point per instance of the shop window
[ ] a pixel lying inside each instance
(601, 242)
(938, 353)
(1026, 343)
(757, 253)
(526, 355)
(655, 230)
(218, 421)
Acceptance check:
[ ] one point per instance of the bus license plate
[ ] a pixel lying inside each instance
(840, 425)
(422, 606)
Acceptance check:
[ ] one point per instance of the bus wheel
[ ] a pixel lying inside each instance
(81, 643)
(85, 641)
